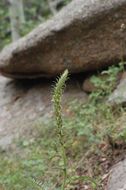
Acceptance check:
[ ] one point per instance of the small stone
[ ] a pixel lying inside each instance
(88, 86)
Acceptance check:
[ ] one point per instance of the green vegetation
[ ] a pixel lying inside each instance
(61, 141)
(79, 149)
(58, 91)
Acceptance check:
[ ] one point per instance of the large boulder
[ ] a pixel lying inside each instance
(84, 36)
(26, 105)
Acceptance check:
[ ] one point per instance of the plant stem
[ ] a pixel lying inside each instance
(57, 94)
(64, 167)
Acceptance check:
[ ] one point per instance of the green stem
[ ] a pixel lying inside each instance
(64, 167)
(58, 91)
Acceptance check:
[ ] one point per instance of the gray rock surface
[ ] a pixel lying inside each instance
(26, 104)
(83, 36)
(119, 94)
(117, 180)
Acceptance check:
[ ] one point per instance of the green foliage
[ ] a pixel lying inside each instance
(4, 27)
(61, 144)
(61, 148)
(107, 82)
(96, 120)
